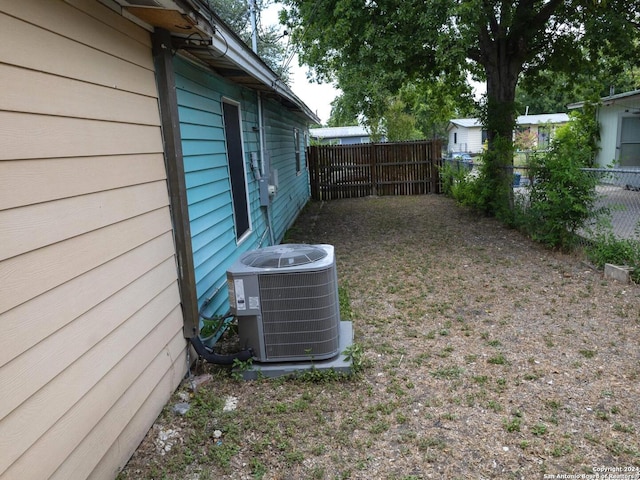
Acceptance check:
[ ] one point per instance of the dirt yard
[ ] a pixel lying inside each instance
(486, 356)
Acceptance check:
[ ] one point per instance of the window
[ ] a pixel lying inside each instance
(455, 137)
(296, 146)
(544, 137)
(233, 136)
(630, 141)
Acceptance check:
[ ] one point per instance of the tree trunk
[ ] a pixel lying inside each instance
(502, 78)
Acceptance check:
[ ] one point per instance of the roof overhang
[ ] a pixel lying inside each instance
(199, 34)
(610, 100)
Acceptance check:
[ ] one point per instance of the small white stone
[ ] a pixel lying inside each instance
(230, 404)
(217, 434)
(506, 449)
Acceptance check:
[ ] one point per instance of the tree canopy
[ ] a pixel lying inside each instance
(236, 15)
(374, 47)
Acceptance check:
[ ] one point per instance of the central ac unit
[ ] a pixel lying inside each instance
(286, 300)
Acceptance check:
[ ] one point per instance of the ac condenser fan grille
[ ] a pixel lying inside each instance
(282, 256)
(300, 314)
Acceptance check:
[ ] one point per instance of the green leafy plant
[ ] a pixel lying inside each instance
(605, 247)
(563, 195)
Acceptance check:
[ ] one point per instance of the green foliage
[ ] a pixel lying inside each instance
(346, 313)
(605, 247)
(399, 124)
(562, 196)
(460, 184)
(562, 199)
(549, 91)
(372, 49)
(235, 13)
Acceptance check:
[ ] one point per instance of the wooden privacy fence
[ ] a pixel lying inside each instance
(347, 171)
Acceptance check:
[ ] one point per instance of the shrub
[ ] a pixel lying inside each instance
(605, 247)
(563, 195)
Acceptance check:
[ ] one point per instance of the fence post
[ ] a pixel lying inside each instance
(373, 175)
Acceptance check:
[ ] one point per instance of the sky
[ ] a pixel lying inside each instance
(317, 97)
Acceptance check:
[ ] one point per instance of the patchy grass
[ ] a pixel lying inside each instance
(469, 339)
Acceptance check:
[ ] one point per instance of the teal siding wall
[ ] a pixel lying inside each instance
(294, 191)
(200, 94)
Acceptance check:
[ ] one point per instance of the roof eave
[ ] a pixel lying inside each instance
(204, 36)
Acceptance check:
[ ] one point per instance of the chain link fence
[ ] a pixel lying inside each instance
(617, 207)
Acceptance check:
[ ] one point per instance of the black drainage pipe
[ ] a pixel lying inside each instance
(218, 359)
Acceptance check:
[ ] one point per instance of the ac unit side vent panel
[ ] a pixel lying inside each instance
(300, 314)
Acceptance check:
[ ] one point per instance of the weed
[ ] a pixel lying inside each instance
(379, 427)
(512, 425)
(258, 470)
(355, 354)
(591, 438)
(346, 313)
(587, 353)
(553, 404)
(448, 373)
(495, 406)
(623, 428)
(539, 429)
(561, 449)
(480, 379)
(498, 360)
(317, 473)
(426, 443)
(446, 352)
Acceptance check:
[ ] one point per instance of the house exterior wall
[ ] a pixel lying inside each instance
(92, 344)
(468, 139)
(215, 248)
(293, 186)
(610, 118)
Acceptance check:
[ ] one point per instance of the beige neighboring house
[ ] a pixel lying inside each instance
(467, 134)
(114, 115)
(619, 119)
(92, 342)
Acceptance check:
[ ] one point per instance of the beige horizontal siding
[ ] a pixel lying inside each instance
(67, 58)
(54, 309)
(81, 419)
(168, 364)
(94, 353)
(111, 18)
(28, 182)
(75, 25)
(25, 136)
(91, 345)
(35, 226)
(31, 274)
(118, 454)
(73, 98)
